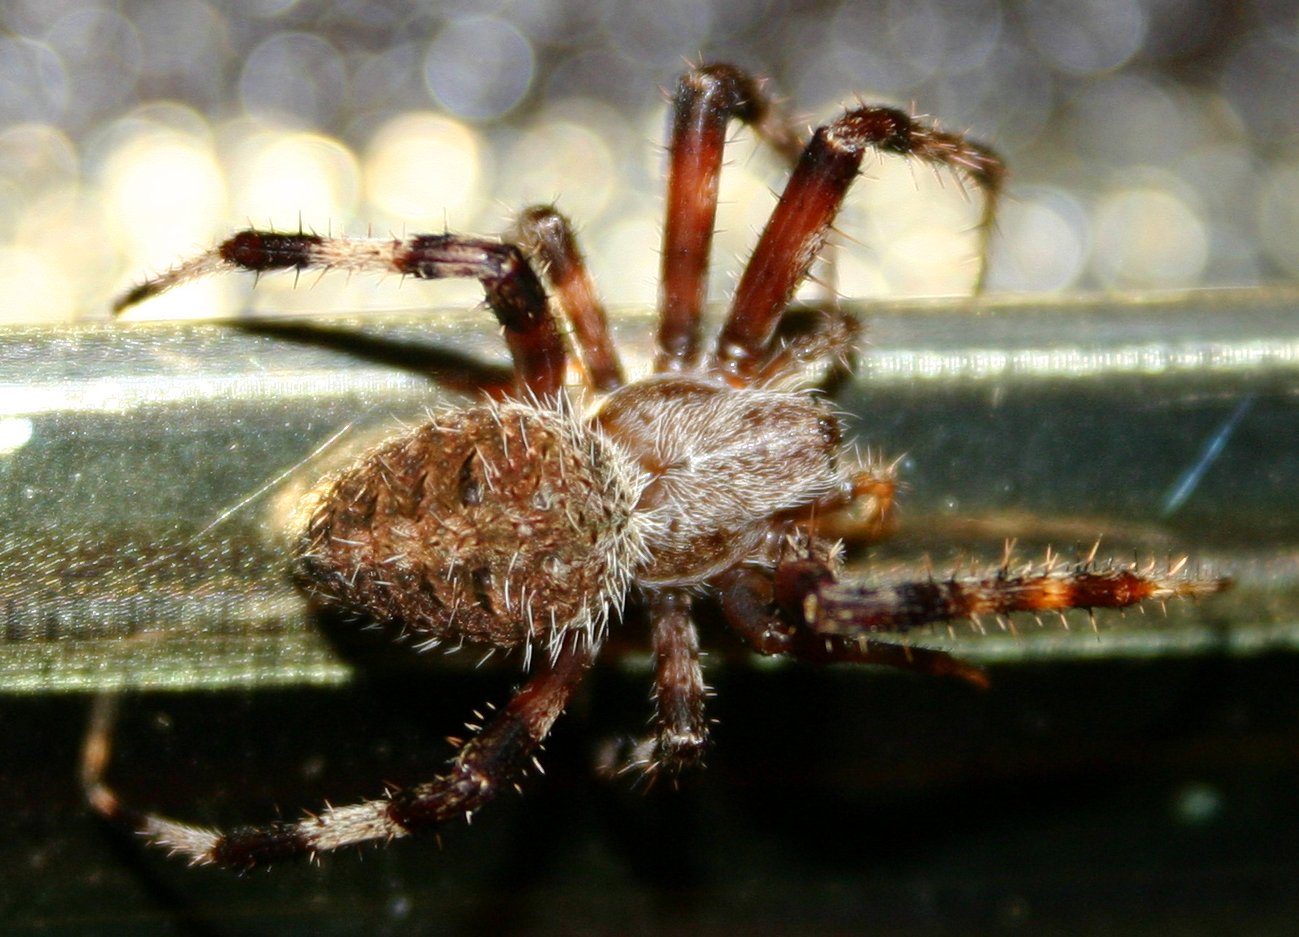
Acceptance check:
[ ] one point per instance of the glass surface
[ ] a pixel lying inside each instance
(151, 486)
(1116, 782)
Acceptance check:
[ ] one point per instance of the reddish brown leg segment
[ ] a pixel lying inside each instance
(548, 235)
(679, 689)
(748, 603)
(491, 762)
(806, 604)
(705, 102)
(807, 590)
(680, 737)
(513, 291)
(797, 230)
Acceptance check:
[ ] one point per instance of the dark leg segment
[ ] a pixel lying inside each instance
(806, 591)
(513, 291)
(706, 100)
(682, 732)
(548, 235)
(749, 606)
(797, 230)
(494, 760)
(825, 341)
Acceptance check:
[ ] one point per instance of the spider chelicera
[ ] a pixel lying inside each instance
(529, 522)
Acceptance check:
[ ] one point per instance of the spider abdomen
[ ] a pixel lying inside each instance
(500, 524)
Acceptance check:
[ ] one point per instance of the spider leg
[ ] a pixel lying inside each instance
(495, 759)
(547, 235)
(797, 230)
(513, 290)
(811, 348)
(808, 592)
(863, 512)
(680, 738)
(706, 100)
(748, 602)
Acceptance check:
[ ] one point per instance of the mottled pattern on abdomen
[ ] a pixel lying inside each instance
(501, 524)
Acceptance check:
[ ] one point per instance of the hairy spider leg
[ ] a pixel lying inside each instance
(495, 759)
(748, 602)
(797, 230)
(809, 595)
(705, 102)
(548, 236)
(512, 288)
(801, 608)
(811, 348)
(680, 737)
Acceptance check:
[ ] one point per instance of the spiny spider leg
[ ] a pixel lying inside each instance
(747, 597)
(808, 593)
(547, 235)
(705, 102)
(811, 352)
(680, 738)
(495, 759)
(513, 290)
(797, 229)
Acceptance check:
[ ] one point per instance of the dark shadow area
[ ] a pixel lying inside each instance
(450, 369)
(1115, 797)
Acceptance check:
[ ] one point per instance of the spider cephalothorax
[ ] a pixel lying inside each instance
(532, 521)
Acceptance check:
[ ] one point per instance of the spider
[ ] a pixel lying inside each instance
(528, 522)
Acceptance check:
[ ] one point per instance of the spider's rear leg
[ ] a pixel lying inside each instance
(548, 236)
(749, 603)
(797, 230)
(512, 288)
(806, 591)
(705, 102)
(495, 759)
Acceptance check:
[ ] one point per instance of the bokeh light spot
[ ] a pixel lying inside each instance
(294, 79)
(163, 194)
(479, 68)
(36, 285)
(286, 180)
(1085, 37)
(425, 168)
(1148, 237)
(34, 83)
(1041, 242)
(1278, 217)
(542, 162)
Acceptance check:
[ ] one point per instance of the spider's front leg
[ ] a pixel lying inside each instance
(796, 233)
(831, 607)
(705, 102)
(548, 236)
(513, 289)
(495, 759)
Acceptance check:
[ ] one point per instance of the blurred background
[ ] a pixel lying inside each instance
(1152, 143)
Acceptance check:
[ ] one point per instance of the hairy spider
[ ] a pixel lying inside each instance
(530, 521)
